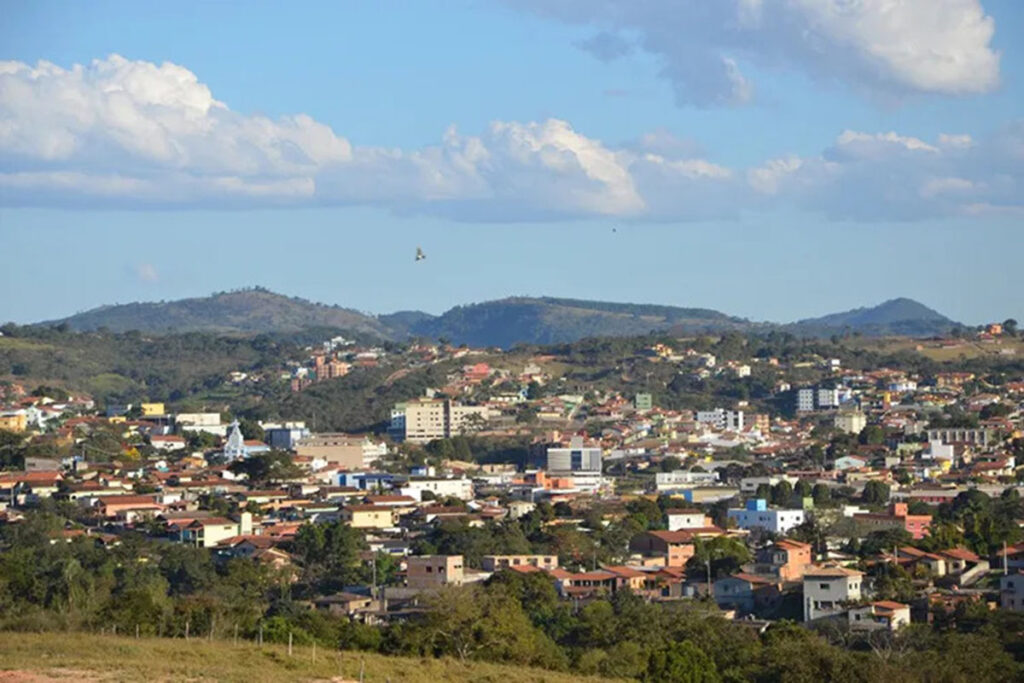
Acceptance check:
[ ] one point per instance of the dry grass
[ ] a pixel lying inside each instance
(88, 657)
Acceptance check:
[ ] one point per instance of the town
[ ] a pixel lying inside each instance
(850, 495)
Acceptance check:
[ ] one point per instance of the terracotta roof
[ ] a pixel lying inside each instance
(831, 571)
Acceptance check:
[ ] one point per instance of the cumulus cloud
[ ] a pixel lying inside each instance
(896, 47)
(146, 272)
(120, 133)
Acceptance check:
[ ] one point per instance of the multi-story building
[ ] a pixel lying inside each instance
(643, 401)
(898, 517)
(576, 458)
(1011, 591)
(342, 450)
(757, 514)
(677, 478)
(427, 419)
(368, 516)
(829, 590)
(461, 488)
(978, 437)
(851, 422)
(433, 571)
(805, 400)
(720, 418)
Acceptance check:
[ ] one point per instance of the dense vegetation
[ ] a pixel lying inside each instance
(166, 589)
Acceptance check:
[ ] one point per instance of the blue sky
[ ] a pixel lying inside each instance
(742, 169)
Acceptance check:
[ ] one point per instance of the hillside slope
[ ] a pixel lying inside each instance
(896, 317)
(547, 320)
(249, 311)
(88, 657)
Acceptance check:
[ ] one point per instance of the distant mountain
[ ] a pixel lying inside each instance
(896, 317)
(250, 311)
(504, 323)
(547, 320)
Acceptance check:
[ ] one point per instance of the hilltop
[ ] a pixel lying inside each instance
(896, 317)
(548, 320)
(502, 323)
(247, 311)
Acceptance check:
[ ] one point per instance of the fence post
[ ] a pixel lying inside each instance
(261, 636)
(289, 643)
(213, 626)
(362, 669)
(136, 631)
(187, 624)
(115, 629)
(236, 634)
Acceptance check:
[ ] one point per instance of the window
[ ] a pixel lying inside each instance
(823, 586)
(430, 570)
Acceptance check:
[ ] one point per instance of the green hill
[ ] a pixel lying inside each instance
(249, 311)
(549, 320)
(896, 317)
(89, 657)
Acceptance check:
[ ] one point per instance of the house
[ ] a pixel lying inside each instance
(785, 560)
(493, 563)
(127, 508)
(757, 514)
(434, 571)
(368, 516)
(827, 590)
(897, 518)
(346, 604)
(686, 519)
(1011, 592)
(747, 593)
(676, 547)
(208, 532)
(881, 615)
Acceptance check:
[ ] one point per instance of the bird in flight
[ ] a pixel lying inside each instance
(420, 255)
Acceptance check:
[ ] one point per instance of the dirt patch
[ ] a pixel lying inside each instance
(51, 675)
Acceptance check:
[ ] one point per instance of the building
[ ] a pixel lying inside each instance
(805, 400)
(757, 514)
(643, 402)
(882, 615)
(461, 488)
(786, 560)
(828, 591)
(948, 435)
(342, 450)
(434, 571)
(851, 422)
(209, 531)
(686, 519)
(285, 436)
(722, 419)
(14, 421)
(200, 422)
(368, 516)
(1011, 591)
(153, 410)
(493, 563)
(424, 420)
(677, 478)
(898, 517)
(576, 458)
(747, 593)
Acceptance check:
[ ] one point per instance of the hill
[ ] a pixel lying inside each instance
(547, 320)
(896, 317)
(249, 311)
(88, 657)
(502, 323)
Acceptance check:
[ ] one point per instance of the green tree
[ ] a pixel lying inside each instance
(681, 663)
(876, 493)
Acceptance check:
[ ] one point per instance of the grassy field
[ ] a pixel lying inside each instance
(88, 657)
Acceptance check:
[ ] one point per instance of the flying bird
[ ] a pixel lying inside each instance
(420, 255)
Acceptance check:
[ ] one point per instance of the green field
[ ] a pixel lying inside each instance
(88, 657)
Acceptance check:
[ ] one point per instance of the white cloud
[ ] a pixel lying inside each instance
(118, 134)
(146, 272)
(892, 46)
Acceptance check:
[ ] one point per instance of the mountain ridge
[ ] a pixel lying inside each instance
(501, 322)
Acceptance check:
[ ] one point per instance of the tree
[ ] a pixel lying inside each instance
(875, 493)
(264, 467)
(670, 463)
(782, 493)
(822, 495)
(1010, 326)
(872, 434)
(251, 430)
(681, 663)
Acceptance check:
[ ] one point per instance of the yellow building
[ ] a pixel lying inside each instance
(153, 409)
(14, 422)
(368, 516)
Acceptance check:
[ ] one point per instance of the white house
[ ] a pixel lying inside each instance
(827, 590)
(757, 514)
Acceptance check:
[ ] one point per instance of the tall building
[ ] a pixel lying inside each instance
(427, 419)
(720, 418)
(805, 400)
(851, 422)
(643, 401)
(576, 458)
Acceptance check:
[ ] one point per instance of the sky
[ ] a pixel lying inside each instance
(771, 159)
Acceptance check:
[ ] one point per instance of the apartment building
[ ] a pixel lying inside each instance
(434, 571)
